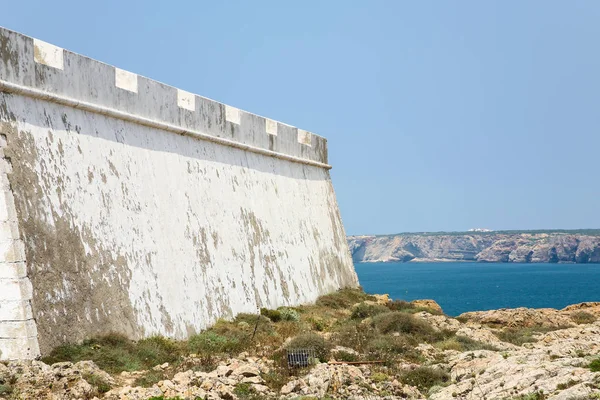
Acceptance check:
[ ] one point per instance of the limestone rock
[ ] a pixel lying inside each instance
(489, 247)
(520, 317)
(247, 371)
(431, 304)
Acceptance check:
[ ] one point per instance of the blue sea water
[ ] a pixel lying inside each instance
(461, 287)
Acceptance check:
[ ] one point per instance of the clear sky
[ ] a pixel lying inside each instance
(440, 115)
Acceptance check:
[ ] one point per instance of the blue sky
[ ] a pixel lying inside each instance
(440, 115)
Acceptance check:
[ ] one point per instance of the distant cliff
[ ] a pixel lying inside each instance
(509, 246)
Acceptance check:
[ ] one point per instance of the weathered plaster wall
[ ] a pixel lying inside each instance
(135, 207)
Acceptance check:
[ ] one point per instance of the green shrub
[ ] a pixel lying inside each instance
(407, 307)
(425, 377)
(115, 353)
(242, 328)
(273, 315)
(157, 350)
(366, 310)
(311, 341)
(346, 356)
(406, 323)
(400, 305)
(289, 314)
(276, 378)
(6, 389)
(390, 349)
(379, 377)
(353, 335)
(224, 327)
(98, 382)
(343, 298)
(517, 336)
(150, 378)
(317, 324)
(566, 385)
(582, 317)
(595, 365)
(469, 344)
(209, 342)
(463, 343)
(243, 390)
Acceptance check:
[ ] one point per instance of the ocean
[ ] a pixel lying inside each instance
(462, 287)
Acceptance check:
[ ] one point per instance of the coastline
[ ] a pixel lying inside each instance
(577, 247)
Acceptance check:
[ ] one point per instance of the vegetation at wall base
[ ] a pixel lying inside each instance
(348, 326)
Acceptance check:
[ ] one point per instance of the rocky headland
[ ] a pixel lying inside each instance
(510, 247)
(358, 346)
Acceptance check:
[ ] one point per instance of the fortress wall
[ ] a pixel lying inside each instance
(131, 206)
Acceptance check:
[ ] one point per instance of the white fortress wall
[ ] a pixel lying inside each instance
(136, 207)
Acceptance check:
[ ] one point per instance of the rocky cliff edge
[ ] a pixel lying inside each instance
(477, 247)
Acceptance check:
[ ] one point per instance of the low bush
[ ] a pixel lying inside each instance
(463, 343)
(273, 315)
(595, 365)
(425, 377)
(408, 307)
(313, 342)
(365, 310)
(276, 378)
(400, 305)
(318, 324)
(210, 343)
(379, 377)
(346, 356)
(6, 389)
(287, 329)
(149, 379)
(243, 325)
(157, 350)
(289, 314)
(450, 344)
(243, 390)
(517, 336)
(343, 298)
(390, 349)
(101, 385)
(115, 353)
(407, 324)
(566, 385)
(354, 334)
(582, 317)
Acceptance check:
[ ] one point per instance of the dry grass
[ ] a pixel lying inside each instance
(582, 317)
(348, 318)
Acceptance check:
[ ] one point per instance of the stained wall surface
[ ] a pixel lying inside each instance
(131, 206)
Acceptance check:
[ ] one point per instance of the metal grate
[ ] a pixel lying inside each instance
(301, 358)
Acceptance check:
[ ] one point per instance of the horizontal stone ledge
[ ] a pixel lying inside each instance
(37, 94)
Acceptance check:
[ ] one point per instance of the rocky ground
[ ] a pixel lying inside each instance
(523, 247)
(520, 353)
